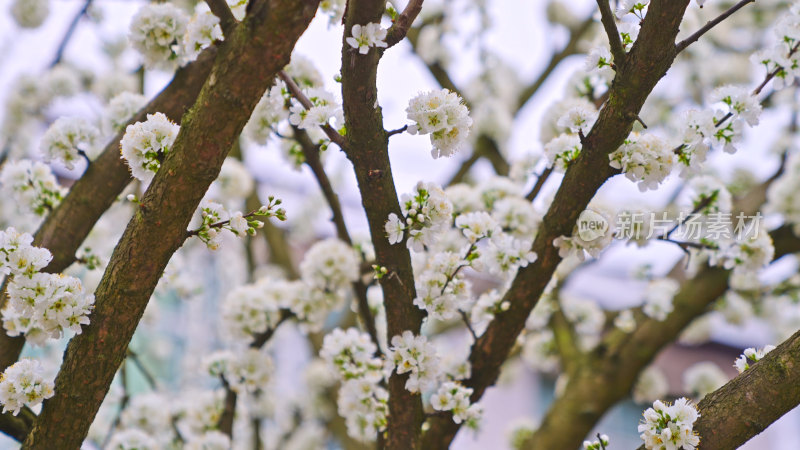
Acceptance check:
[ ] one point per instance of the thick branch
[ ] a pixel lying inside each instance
(244, 68)
(64, 229)
(648, 61)
(17, 426)
(367, 148)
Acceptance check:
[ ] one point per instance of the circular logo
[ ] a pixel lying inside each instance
(591, 225)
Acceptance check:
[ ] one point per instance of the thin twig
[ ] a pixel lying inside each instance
(146, 373)
(221, 9)
(122, 404)
(401, 26)
(468, 324)
(311, 154)
(680, 46)
(297, 93)
(539, 184)
(397, 131)
(70, 31)
(610, 25)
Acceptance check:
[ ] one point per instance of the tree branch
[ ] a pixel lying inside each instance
(401, 26)
(681, 46)
(610, 25)
(298, 94)
(221, 9)
(749, 403)
(70, 31)
(647, 63)
(17, 427)
(367, 148)
(64, 230)
(241, 73)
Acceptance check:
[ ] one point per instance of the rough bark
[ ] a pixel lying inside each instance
(749, 403)
(246, 65)
(367, 148)
(64, 229)
(647, 62)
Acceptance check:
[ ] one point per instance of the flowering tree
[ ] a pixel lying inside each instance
(411, 324)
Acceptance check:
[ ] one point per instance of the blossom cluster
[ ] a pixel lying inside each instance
(67, 139)
(352, 354)
(40, 305)
(24, 383)
(326, 274)
(668, 426)
(426, 212)
(44, 305)
(324, 107)
(145, 144)
(362, 401)
(416, 356)
(645, 159)
(454, 397)
(443, 115)
(751, 355)
(247, 370)
(167, 37)
(214, 218)
(32, 185)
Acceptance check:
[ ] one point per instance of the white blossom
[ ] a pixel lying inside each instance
(454, 397)
(330, 265)
(352, 354)
(578, 119)
(365, 407)
(416, 356)
(122, 108)
(625, 321)
(427, 211)
(366, 36)
(651, 385)
(668, 427)
(24, 383)
(645, 159)
(45, 305)
(751, 355)
(658, 298)
(202, 31)
(443, 115)
(561, 151)
(132, 439)
(324, 108)
(145, 145)
(30, 13)
(32, 185)
(269, 111)
(252, 309)
(156, 32)
(67, 138)
(210, 440)
(703, 378)
(18, 257)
